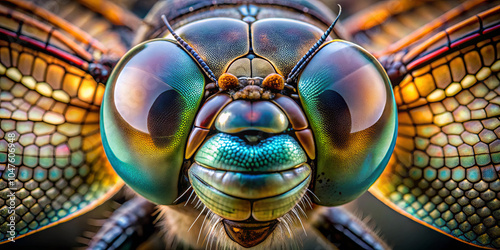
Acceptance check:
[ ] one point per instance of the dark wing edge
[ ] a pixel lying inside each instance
(445, 170)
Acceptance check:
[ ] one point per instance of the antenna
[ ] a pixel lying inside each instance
(307, 57)
(191, 51)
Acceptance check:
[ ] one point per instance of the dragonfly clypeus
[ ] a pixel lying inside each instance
(253, 122)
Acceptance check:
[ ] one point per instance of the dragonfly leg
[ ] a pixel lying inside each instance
(344, 230)
(129, 225)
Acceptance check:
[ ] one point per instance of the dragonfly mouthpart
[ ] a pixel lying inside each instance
(249, 234)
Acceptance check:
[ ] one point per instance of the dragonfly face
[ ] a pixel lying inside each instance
(254, 109)
(249, 150)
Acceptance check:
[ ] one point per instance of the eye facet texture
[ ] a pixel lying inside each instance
(149, 106)
(349, 103)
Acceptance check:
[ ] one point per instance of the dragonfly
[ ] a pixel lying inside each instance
(400, 98)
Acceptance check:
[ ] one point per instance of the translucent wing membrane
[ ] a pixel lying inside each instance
(445, 169)
(19, 26)
(115, 14)
(49, 114)
(392, 25)
(97, 26)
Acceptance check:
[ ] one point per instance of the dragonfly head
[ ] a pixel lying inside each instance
(253, 144)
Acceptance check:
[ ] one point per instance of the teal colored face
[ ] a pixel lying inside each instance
(251, 148)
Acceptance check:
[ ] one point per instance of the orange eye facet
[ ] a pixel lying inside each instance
(228, 81)
(274, 81)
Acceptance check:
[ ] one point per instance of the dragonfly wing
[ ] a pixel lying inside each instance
(50, 103)
(445, 169)
(389, 24)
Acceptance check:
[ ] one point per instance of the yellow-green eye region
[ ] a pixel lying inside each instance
(150, 103)
(349, 103)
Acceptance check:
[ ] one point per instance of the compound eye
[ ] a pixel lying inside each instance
(349, 103)
(150, 102)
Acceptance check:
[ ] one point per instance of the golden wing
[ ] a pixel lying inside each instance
(445, 169)
(52, 163)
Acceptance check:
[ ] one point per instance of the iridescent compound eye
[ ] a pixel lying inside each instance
(349, 103)
(149, 105)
